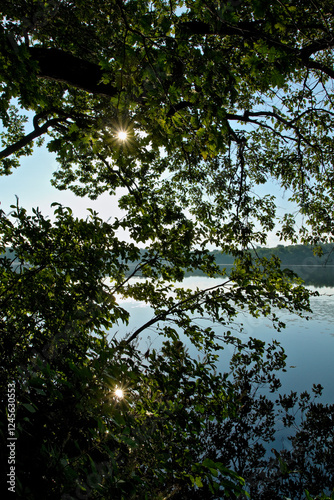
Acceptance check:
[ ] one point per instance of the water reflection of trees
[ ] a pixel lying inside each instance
(247, 441)
(318, 276)
(315, 275)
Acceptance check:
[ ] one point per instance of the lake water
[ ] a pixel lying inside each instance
(308, 344)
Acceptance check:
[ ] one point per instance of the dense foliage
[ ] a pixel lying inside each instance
(216, 99)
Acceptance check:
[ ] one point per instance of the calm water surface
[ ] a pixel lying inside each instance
(309, 344)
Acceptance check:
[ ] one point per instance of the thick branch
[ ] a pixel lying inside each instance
(249, 30)
(317, 46)
(63, 67)
(311, 64)
(245, 30)
(14, 148)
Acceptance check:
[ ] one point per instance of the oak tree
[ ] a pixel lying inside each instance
(213, 99)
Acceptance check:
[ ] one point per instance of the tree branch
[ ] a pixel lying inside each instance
(249, 30)
(311, 64)
(179, 106)
(316, 46)
(163, 315)
(246, 30)
(14, 148)
(63, 67)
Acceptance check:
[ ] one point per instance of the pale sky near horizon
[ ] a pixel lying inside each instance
(31, 184)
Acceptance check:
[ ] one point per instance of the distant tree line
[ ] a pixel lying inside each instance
(289, 255)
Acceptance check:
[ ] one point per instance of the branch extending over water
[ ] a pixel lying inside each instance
(163, 315)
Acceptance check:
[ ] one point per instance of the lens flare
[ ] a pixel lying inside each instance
(122, 135)
(119, 393)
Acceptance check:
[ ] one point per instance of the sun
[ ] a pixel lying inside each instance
(122, 135)
(119, 393)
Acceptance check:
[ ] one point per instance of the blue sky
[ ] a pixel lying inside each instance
(31, 184)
